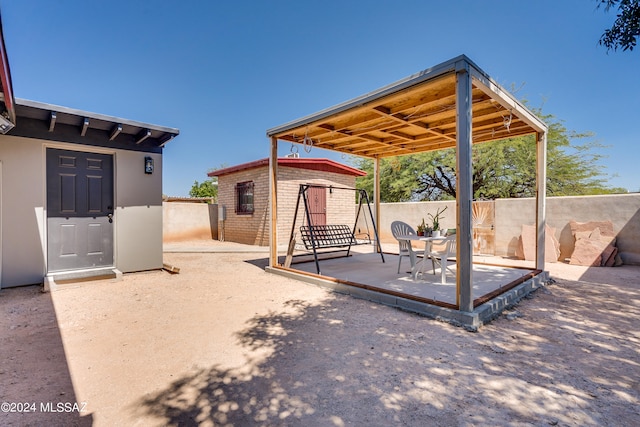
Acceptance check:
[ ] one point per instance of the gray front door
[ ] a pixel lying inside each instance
(79, 210)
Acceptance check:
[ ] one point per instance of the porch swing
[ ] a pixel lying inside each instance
(330, 236)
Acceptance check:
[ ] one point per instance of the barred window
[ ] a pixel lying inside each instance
(244, 197)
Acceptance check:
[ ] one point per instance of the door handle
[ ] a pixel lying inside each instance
(110, 216)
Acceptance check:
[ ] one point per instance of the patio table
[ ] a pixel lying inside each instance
(428, 244)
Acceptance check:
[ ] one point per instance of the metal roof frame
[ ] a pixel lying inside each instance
(413, 115)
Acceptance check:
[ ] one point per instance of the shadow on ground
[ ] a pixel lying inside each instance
(553, 360)
(34, 375)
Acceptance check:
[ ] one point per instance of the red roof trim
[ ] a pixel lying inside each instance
(325, 165)
(5, 78)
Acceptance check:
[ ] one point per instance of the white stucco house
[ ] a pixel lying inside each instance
(80, 192)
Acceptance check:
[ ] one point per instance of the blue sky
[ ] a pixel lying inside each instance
(224, 72)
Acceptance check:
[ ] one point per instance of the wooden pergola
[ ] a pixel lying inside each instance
(452, 105)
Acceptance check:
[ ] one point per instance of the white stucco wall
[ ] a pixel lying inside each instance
(138, 215)
(22, 215)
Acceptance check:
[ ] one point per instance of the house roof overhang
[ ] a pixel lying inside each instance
(57, 123)
(324, 165)
(414, 115)
(33, 119)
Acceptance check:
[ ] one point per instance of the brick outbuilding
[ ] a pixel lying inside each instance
(243, 192)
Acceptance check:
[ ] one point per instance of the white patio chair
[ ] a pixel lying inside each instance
(443, 257)
(399, 228)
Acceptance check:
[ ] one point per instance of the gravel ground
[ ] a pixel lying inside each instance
(224, 343)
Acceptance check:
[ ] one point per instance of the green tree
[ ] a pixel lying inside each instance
(626, 28)
(208, 188)
(501, 169)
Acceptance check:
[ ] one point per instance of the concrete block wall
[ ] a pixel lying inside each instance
(188, 221)
(623, 210)
(511, 214)
(413, 213)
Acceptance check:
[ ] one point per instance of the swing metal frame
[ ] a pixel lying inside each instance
(330, 236)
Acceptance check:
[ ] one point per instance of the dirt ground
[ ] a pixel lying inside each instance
(224, 343)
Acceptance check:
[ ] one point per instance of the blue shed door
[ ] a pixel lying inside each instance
(79, 210)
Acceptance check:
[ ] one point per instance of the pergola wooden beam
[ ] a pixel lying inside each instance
(415, 123)
(452, 105)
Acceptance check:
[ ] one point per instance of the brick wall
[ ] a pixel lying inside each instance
(254, 229)
(340, 203)
(250, 229)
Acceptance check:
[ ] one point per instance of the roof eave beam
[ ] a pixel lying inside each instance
(143, 135)
(165, 139)
(85, 126)
(52, 121)
(115, 131)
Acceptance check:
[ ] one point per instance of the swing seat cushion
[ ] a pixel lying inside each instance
(327, 236)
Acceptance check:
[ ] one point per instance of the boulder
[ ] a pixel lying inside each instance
(605, 227)
(527, 244)
(588, 252)
(612, 260)
(594, 244)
